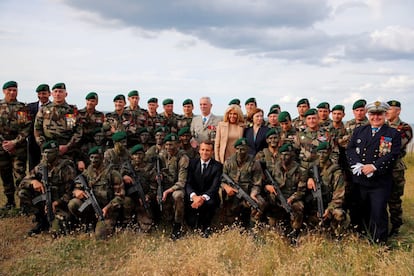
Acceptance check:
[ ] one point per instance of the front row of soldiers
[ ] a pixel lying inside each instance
(129, 187)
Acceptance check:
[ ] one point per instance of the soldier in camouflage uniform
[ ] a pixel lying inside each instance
(158, 148)
(247, 173)
(185, 119)
(146, 173)
(61, 173)
(290, 178)
(333, 192)
(288, 131)
(299, 122)
(106, 184)
(139, 118)
(323, 115)
(360, 118)
(59, 121)
(15, 125)
(250, 104)
(184, 135)
(119, 120)
(154, 119)
(272, 118)
(144, 138)
(91, 120)
(174, 176)
(119, 154)
(397, 191)
(168, 117)
(270, 154)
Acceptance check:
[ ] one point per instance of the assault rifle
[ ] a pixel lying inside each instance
(318, 193)
(47, 196)
(240, 192)
(159, 183)
(136, 187)
(91, 199)
(279, 194)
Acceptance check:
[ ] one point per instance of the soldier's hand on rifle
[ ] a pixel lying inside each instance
(289, 200)
(127, 179)
(54, 206)
(63, 149)
(81, 166)
(38, 186)
(166, 193)
(79, 194)
(230, 191)
(254, 196)
(270, 189)
(311, 184)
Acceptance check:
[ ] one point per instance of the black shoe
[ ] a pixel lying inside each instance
(176, 232)
(8, 206)
(394, 231)
(207, 232)
(39, 227)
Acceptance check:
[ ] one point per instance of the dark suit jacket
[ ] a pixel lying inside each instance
(365, 149)
(207, 183)
(260, 143)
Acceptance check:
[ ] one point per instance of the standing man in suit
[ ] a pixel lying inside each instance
(372, 152)
(203, 182)
(203, 127)
(43, 94)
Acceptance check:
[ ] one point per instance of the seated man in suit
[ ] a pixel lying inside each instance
(203, 182)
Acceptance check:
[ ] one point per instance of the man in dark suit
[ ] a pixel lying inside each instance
(43, 94)
(371, 152)
(203, 182)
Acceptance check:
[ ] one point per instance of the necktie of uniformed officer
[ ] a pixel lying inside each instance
(204, 120)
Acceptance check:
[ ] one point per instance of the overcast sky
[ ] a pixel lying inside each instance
(275, 50)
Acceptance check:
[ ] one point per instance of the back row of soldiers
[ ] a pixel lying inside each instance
(294, 146)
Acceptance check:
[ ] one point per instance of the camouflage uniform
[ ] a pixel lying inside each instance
(91, 124)
(59, 122)
(170, 121)
(183, 121)
(117, 122)
(288, 136)
(351, 125)
(153, 123)
(299, 124)
(397, 191)
(15, 125)
(139, 119)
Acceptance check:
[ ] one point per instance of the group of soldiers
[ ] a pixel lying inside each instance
(130, 166)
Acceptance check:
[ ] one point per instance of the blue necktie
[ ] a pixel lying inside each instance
(374, 130)
(204, 120)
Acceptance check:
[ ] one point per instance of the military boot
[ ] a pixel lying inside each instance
(10, 204)
(41, 224)
(176, 231)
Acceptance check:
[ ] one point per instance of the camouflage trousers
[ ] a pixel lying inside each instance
(237, 211)
(133, 209)
(337, 221)
(276, 214)
(173, 208)
(12, 170)
(397, 191)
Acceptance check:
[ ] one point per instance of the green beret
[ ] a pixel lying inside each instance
(119, 97)
(377, 107)
(152, 100)
(303, 101)
(284, 116)
(43, 87)
(171, 137)
(272, 131)
(394, 103)
(323, 105)
(250, 100)
(188, 101)
(91, 95)
(311, 111)
(184, 130)
(118, 136)
(339, 107)
(59, 85)
(133, 93)
(286, 148)
(10, 84)
(234, 101)
(167, 101)
(52, 144)
(273, 111)
(275, 106)
(359, 103)
(95, 150)
(240, 141)
(143, 130)
(136, 148)
(161, 129)
(323, 146)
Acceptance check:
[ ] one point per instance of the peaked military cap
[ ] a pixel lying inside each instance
(91, 95)
(250, 100)
(118, 136)
(152, 100)
(324, 105)
(323, 146)
(311, 111)
(42, 87)
(338, 107)
(271, 132)
(119, 97)
(359, 103)
(133, 93)
(95, 150)
(284, 116)
(234, 101)
(59, 85)
(167, 101)
(377, 107)
(188, 101)
(136, 148)
(303, 101)
(240, 142)
(171, 137)
(10, 84)
(184, 130)
(52, 144)
(394, 103)
(287, 147)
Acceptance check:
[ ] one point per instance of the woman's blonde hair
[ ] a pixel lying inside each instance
(234, 107)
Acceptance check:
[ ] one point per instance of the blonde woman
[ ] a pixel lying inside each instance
(228, 132)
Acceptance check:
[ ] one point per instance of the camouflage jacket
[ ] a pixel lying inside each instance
(406, 134)
(350, 126)
(117, 122)
(139, 119)
(15, 122)
(183, 121)
(288, 136)
(90, 123)
(333, 189)
(170, 121)
(174, 170)
(299, 124)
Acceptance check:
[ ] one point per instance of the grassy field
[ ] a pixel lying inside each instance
(226, 253)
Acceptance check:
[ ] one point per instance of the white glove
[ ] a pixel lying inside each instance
(357, 169)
